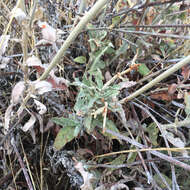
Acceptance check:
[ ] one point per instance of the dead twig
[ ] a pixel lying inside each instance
(154, 152)
(22, 164)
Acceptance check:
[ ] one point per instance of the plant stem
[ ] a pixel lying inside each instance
(25, 53)
(83, 22)
(115, 77)
(185, 122)
(164, 75)
(152, 34)
(154, 152)
(8, 25)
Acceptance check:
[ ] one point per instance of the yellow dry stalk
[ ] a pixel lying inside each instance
(144, 150)
(9, 24)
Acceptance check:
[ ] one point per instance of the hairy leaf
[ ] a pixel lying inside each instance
(143, 70)
(65, 135)
(80, 59)
(153, 133)
(65, 121)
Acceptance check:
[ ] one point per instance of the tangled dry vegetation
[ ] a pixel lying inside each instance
(94, 94)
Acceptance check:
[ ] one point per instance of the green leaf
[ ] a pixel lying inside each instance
(98, 35)
(110, 50)
(91, 102)
(65, 121)
(93, 45)
(162, 48)
(87, 124)
(80, 59)
(116, 20)
(80, 102)
(143, 70)
(160, 182)
(111, 91)
(118, 161)
(111, 126)
(99, 78)
(132, 155)
(120, 51)
(100, 53)
(77, 130)
(65, 135)
(86, 80)
(176, 141)
(153, 131)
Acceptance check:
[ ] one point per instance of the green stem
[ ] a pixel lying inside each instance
(83, 22)
(164, 75)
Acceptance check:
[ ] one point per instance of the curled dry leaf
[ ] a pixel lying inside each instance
(59, 80)
(176, 141)
(40, 119)
(53, 82)
(119, 186)
(126, 84)
(156, 57)
(48, 126)
(43, 43)
(163, 96)
(40, 107)
(33, 61)
(18, 14)
(60, 33)
(48, 32)
(33, 134)
(58, 83)
(108, 76)
(36, 63)
(30, 123)
(180, 94)
(42, 86)
(185, 72)
(17, 92)
(4, 61)
(87, 177)
(8, 117)
(4, 39)
(172, 88)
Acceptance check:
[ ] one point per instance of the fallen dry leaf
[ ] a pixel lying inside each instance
(33, 61)
(18, 14)
(163, 96)
(30, 123)
(8, 117)
(172, 88)
(126, 84)
(40, 107)
(42, 86)
(87, 177)
(48, 32)
(4, 39)
(17, 92)
(185, 72)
